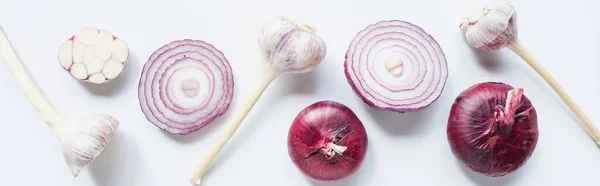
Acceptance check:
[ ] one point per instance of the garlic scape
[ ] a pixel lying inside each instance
(81, 141)
(287, 48)
(494, 27)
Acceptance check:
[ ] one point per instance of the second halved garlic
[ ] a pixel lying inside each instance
(94, 56)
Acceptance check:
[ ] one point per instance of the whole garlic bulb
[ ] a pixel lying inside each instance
(86, 140)
(291, 47)
(491, 28)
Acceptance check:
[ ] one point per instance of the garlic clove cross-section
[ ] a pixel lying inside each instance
(86, 140)
(94, 55)
(491, 28)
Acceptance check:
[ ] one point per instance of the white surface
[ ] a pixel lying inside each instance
(406, 149)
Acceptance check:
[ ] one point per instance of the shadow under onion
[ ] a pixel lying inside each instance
(411, 123)
(398, 124)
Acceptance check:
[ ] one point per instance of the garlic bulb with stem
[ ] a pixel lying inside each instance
(287, 48)
(494, 27)
(81, 141)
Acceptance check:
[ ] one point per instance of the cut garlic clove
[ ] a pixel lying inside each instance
(94, 66)
(87, 140)
(97, 78)
(105, 37)
(104, 51)
(78, 71)
(77, 53)
(65, 58)
(120, 51)
(87, 36)
(88, 53)
(112, 69)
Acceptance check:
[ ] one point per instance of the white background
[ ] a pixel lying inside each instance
(408, 149)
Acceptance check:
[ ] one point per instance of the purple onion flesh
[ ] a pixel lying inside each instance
(185, 85)
(327, 142)
(492, 128)
(395, 65)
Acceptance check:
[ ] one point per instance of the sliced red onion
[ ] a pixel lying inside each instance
(185, 85)
(395, 65)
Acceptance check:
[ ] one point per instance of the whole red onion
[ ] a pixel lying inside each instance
(492, 128)
(327, 142)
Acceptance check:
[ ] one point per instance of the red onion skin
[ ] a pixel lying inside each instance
(316, 126)
(478, 140)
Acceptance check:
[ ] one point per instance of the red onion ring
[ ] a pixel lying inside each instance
(395, 65)
(185, 85)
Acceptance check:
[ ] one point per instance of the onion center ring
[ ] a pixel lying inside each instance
(190, 87)
(169, 91)
(394, 66)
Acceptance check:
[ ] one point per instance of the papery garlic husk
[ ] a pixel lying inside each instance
(493, 27)
(87, 139)
(291, 47)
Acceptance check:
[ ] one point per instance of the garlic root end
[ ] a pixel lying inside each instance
(196, 182)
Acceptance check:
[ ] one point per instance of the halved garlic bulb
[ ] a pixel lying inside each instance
(94, 56)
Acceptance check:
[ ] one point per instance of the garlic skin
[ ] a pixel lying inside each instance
(493, 27)
(86, 140)
(290, 47)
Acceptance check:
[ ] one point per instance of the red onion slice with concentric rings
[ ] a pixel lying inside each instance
(395, 65)
(185, 85)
